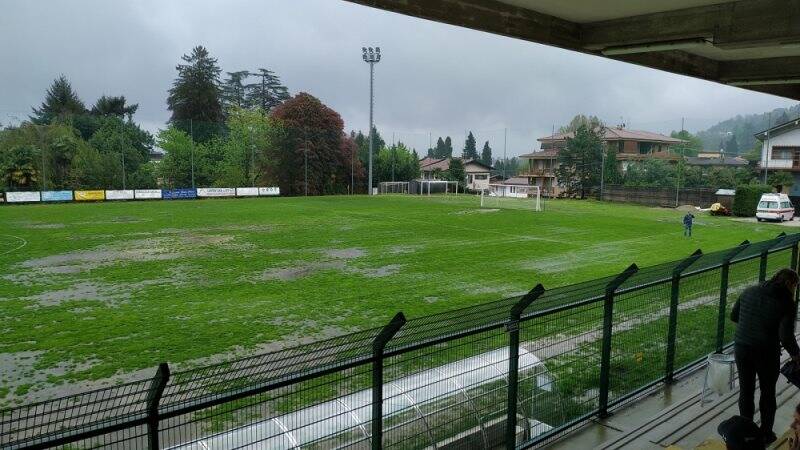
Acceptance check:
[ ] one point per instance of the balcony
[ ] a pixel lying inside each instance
(538, 173)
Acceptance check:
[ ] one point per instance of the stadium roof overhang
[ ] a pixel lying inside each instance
(754, 44)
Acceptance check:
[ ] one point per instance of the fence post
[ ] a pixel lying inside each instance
(513, 362)
(794, 267)
(762, 269)
(608, 324)
(378, 345)
(723, 293)
(673, 312)
(153, 399)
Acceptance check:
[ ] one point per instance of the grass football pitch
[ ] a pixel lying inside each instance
(105, 290)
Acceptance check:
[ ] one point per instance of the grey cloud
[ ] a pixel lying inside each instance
(434, 78)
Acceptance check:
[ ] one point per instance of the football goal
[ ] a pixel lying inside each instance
(393, 187)
(512, 196)
(428, 187)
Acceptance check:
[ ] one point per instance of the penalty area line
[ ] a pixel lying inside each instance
(23, 244)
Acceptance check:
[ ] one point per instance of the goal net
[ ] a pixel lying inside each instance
(431, 187)
(512, 196)
(393, 187)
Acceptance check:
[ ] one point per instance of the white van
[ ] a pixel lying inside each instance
(775, 207)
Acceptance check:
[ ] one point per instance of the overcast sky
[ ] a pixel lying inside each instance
(433, 78)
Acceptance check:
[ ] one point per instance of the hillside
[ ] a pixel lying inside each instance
(742, 128)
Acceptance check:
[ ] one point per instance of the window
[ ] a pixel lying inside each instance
(786, 205)
(782, 153)
(481, 176)
(768, 205)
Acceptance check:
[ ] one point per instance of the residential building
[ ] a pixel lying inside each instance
(477, 173)
(780, 150)
(632, 146)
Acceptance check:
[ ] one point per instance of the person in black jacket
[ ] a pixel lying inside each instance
(765, 317)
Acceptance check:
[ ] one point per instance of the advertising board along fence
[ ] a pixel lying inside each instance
(543, 363)
(247, 192)
(147, 194)
(23, 197)
(269, 191)
(56, 196)
(90, 196)
(178, 194)
(121, 194)
(216, 192)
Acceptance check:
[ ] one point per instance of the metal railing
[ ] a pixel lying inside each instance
(517, 372)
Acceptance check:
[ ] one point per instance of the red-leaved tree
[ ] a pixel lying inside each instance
(312, 148)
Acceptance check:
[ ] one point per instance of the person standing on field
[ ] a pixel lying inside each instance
(688, 219)
(764, 317)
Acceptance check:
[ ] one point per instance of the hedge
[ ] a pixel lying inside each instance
(747, 197)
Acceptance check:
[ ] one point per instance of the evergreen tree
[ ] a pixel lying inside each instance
(579, 163)
(194, 97)
(234, 92)
(60, 103)
(440, 151)
(591, 122)
(267, 93)
(732, 147)
(114, 106)
(470, 148)
(448, 146)
(486, 154)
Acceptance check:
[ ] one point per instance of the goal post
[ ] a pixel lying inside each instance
(516, 196)
(393, 187)
(429, 187)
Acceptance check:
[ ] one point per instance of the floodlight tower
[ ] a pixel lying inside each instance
(371, 56)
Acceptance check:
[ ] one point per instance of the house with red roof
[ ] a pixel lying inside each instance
(632, 146)
(477, 173)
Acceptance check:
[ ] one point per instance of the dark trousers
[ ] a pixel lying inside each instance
(762, 363)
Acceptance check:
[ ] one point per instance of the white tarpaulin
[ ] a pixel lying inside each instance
(269, 191)
(216, 192)
(126, 194)
(21, 197)
(147, 193)
(247, 192)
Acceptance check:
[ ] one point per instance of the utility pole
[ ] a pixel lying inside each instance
(122, 154)
(766, 153)
(191, 132)
(372, 57)
(394, 153)
(602, 171)
(677, 172)
(41, 148)
(505, 145)
(305, 157)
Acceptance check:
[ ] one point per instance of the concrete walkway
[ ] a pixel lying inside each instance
(672, 417)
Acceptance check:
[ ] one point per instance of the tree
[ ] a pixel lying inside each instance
(470, 148)
(176, 166)
(455, 172)
(590, 122)
(234, 92)
(312, 137)
(194, 97)
(780, 180)
(396, 163)
(245, 151)
(267, 93)
(486, 154)
(580, 161)
(443, 149)
(691, 146)
(114, 106)
(362, 145)
(60, 103)
(611, 172)
(731, 146)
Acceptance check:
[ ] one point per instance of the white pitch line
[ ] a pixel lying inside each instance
(24, 243)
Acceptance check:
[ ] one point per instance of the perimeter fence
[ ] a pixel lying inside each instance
(444, 381)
